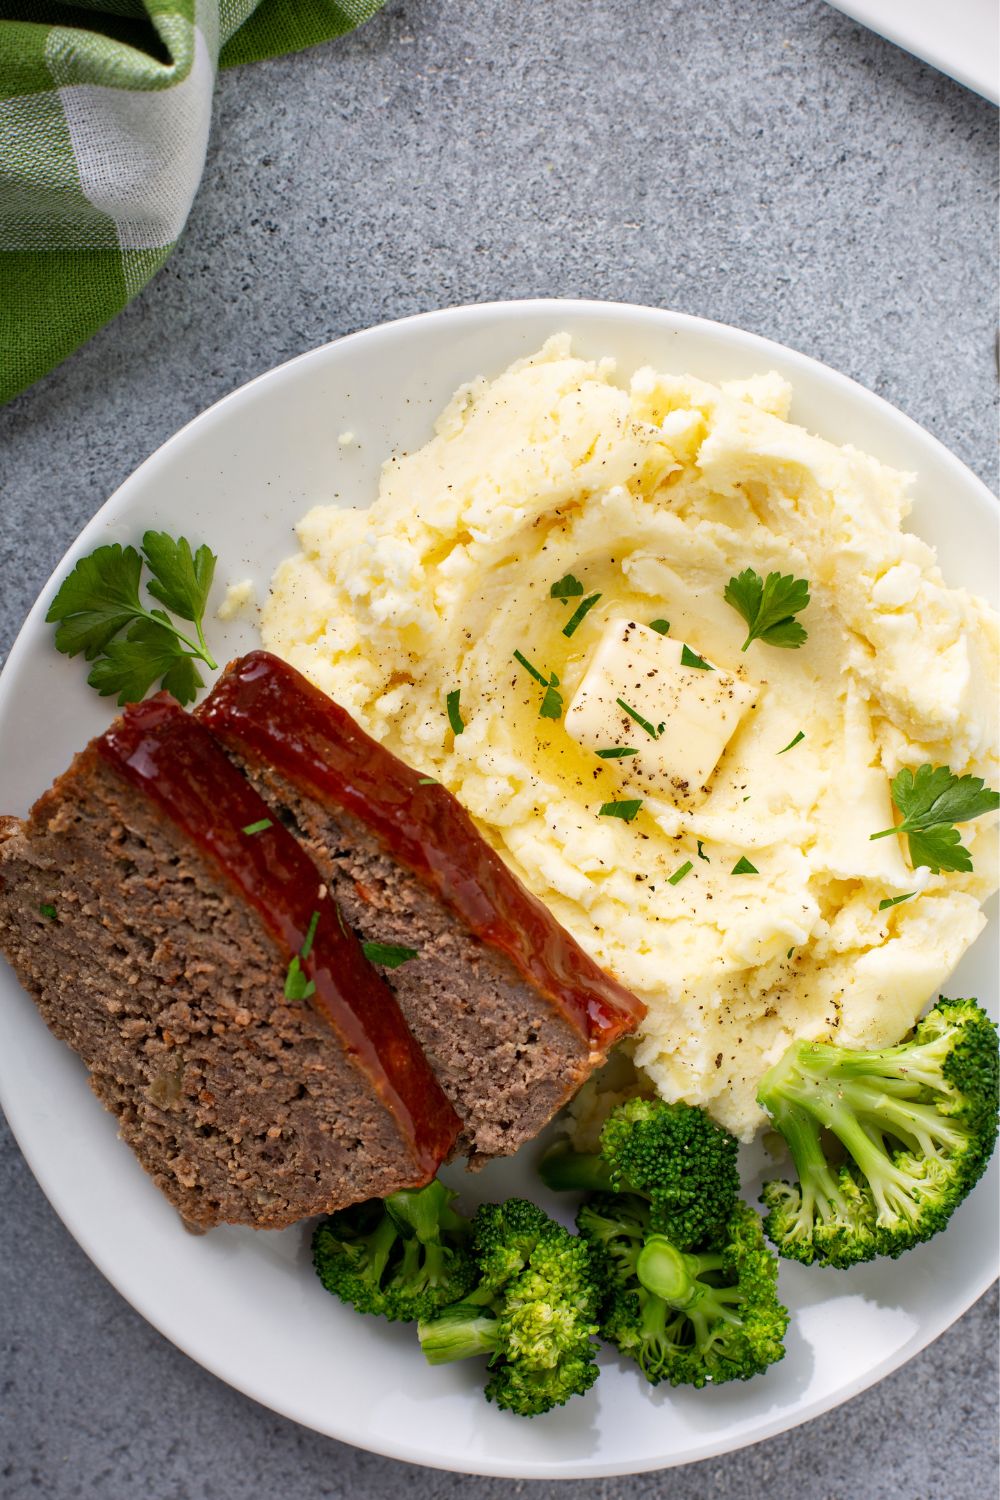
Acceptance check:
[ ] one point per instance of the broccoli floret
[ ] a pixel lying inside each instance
(673, 1155)
(688, 1318)
(533, 1312)
(918, 1123)
(402, 1258)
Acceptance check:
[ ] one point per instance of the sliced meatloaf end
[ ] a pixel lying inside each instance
(258, 1065)
(510, 1011)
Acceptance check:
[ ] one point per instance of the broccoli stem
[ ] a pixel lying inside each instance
(819, 1085)
(423, 1211)
(663, 1270)
(567, 1171)
(717, 1307)
(668, 1273)
(460, 1333)
(904, 1070)
(653, 1320)
(820, 1188)
(380, 1243)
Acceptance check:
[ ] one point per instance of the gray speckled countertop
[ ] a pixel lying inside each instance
(764, 162)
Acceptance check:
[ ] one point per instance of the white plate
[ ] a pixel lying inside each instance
(246, 1305)
(961, 38)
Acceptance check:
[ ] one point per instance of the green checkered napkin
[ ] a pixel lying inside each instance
(104, 114)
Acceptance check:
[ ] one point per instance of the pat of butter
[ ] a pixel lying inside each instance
(693, 713)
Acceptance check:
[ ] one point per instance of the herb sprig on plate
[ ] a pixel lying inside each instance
(932, 800)
(769, 606)
(98, 611)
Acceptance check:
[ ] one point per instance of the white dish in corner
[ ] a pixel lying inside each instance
(961, 39)
(246, 1305)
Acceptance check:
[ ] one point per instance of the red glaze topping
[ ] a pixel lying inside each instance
(173, 761)
(266, 710)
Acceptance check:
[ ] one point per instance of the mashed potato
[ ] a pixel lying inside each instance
(654, 496)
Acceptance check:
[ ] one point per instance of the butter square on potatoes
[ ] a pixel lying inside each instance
(682, 718)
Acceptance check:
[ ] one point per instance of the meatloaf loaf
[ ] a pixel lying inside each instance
(182, 942)
(510, 1011)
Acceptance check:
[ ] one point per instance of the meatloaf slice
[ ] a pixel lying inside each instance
(258, 1065)
(510, 1011)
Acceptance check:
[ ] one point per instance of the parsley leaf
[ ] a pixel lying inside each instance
(792, 743)
(48, 910)
(580, 613)
(180, 581)
(678, 875)
(390, 955)
(100, 599)
(768, 606)
(306, 948)
(624, 810)
(690, 658)
(701, 852)
(895, 900)
(661, 627)
(258, 827)
(651, 729)
(552, 703)
(454, 716)
(149, 652)
(932, 799)
(568, 587)
(744, 867)
(297, 986)
(538, 676)
(939, 848)
(617, 752)
(935, 795)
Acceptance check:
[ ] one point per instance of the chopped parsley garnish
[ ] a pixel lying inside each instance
(567, 587)
(306, 948)
(617, 752)
(552, 703)
(98, 611)
(661, 627)
(790, 952)
(690, 658)
(390, 955)
(428, 781)
(792, 743)
(297, 986)
(894, 900)
(454, 716)
(678, 875)
(769, 606)
(258, 827)
(744, 867)
(48, 910)
(652, 730)
(624, 810)
(580, 613)
(932, 800)
(526, 664)
(702, 854)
